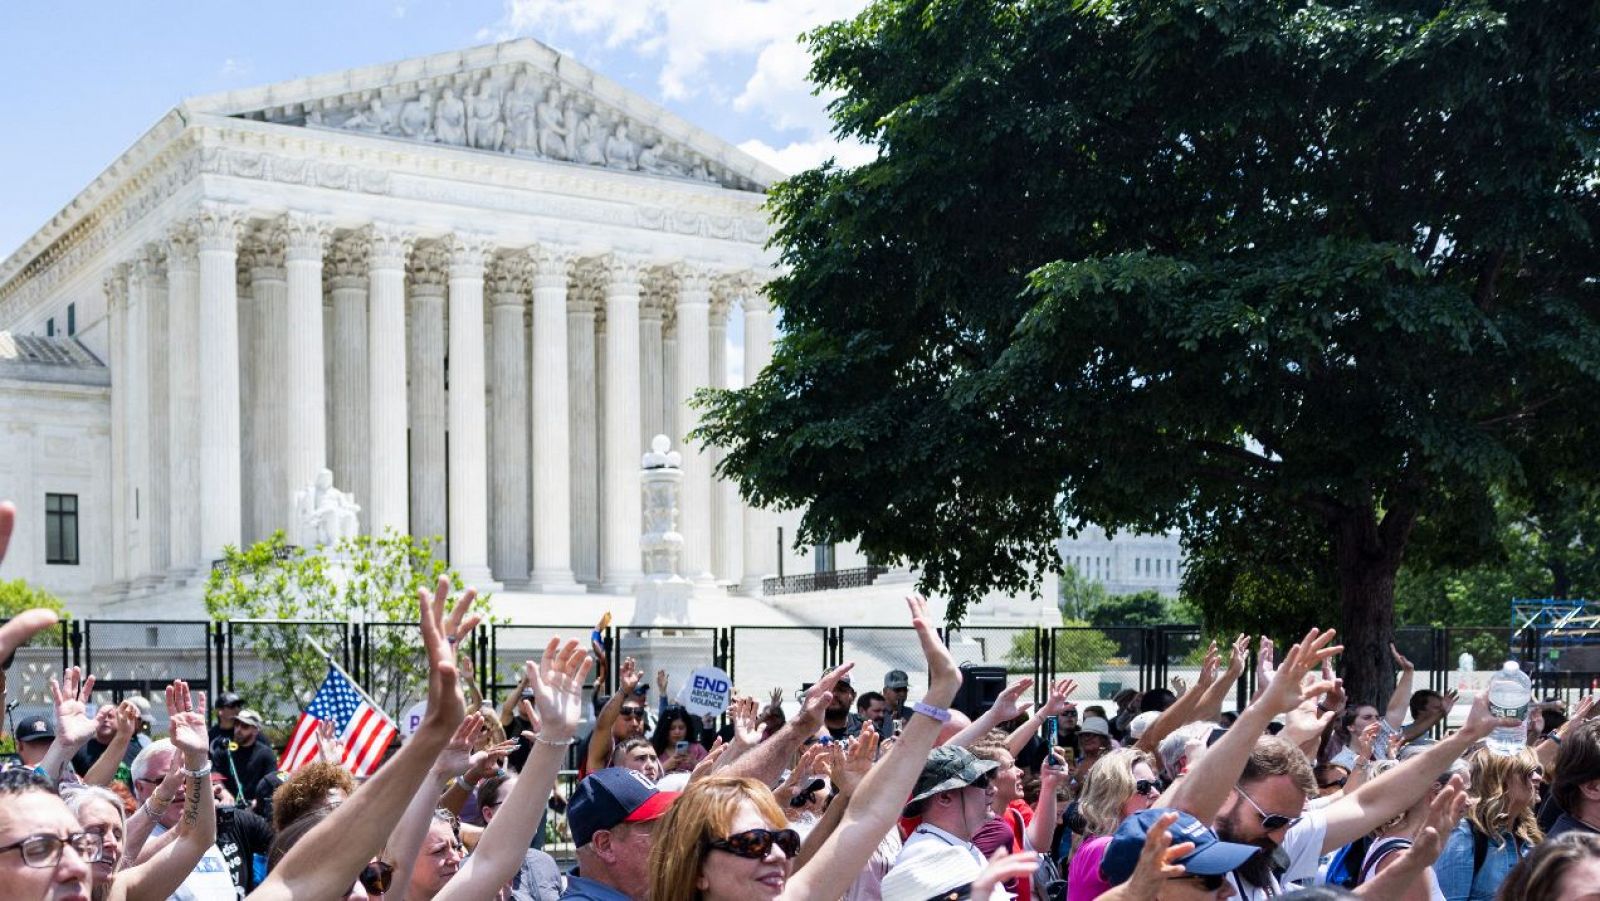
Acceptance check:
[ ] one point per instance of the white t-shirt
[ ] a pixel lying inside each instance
(1303, 846)
(926, 836)
(210, 880)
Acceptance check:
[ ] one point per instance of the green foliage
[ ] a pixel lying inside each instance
(17, 595)
(1143, 608)
(1079, 594)
(1078, 649)
(281, 599)
(1271, 274)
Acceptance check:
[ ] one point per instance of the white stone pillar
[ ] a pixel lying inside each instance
(249, 321)
(425, 401)
(620, 559)
(136, 344)
(468, 426)
(386, 447)
(269, 407)
(158, 508)
(584, 456)
(349, 427)
(760, 536)
(508, 289)
(306, 434)
(115, 284)
(183, 398)
(218, 232)
(694, 373)
(552, 425)
(669, 369)
(652, 421)
(727, 517)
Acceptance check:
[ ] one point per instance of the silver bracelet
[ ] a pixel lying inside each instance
(201, 773)
(539, 739)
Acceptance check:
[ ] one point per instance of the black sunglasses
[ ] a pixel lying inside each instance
(1337, 783)
(633, 713)
(1210, 883)
(1269, 821)
(376, 876)
(1143, 786)
(756, 844)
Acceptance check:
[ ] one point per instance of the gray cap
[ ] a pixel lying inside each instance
(896, 678)
(1094, 725)
(949, 768)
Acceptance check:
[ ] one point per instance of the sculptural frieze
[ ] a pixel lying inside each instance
(325, 514)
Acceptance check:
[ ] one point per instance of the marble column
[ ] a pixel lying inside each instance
(306, 434)
(693, 373)
(620, 561)
(467, 423)
(652, 422)
(727, 513)
(582, 407)
(760, 536)
(183, 398)
(158, 510)
(425, 403)
(249, 322)
(508, 288)
(552, 426)
(136, 343)
(669, 370)
(388, 502)
(349, 426)
(115, 284)
(218, 231)
(269, 405)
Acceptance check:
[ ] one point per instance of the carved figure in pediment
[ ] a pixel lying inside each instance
(416, 118)
(450, 119)
(572, 118)
(657, 159)
(621, 152)
(590, 139)
(370, 119)
(485, 131)
(313, 117)
(519, 111)
(552, 128)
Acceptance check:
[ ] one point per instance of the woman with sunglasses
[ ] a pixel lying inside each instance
(1119, 785)
(726, 838)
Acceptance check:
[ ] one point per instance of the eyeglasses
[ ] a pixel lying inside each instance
(44, 851)
(980, 782)
(632, 713)
(1269, 821)
(756, 844)
(1146, 786)
(1337, 783)
(376, 876)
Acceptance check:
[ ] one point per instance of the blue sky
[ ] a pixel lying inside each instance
(82, 81)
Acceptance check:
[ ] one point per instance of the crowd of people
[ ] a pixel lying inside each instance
(884, 794)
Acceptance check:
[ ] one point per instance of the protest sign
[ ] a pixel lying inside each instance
(706, 692)
(412, 718)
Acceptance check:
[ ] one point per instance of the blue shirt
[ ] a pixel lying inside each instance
(1454, 866)
(590, 890)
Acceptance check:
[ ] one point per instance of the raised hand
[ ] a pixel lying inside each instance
(1239, 657)
(1009, 705)
(1158, 859)
(661, 682)
(529, 716)
(127, 719)
(1400, 660)
(818, 697)
(73, 726)
(557, 681)
(328, 746)
(1003, 868)
(1362, 742)
(849, 765)
(456, 756)
(1056, 703)
(445, 705)
(944, 677)
(28, 623)
(629, 676)
(186, 723)
(777, 699)
(1289, 684)
(1451, 697)
(489, 760)
(709, 763)
(1480, 721)
(1179, 686)
(748, 727)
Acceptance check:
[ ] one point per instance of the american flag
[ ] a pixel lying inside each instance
(360, 727)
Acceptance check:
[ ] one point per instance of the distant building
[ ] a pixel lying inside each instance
(1127, 563)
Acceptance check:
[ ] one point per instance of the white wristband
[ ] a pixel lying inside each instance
(941, 714)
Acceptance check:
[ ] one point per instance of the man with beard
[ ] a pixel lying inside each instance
(836, 718)
(1253, 788)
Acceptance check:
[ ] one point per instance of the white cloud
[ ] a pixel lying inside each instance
(235, 68)
(802, 155)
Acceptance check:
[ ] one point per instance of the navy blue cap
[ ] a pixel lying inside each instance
(1211, 855)
(609, 797)
(35, 728)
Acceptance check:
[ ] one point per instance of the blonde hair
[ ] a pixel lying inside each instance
(1492, 774)
(704, 813)
(1108, 785)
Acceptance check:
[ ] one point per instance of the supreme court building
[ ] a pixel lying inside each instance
(472, 285)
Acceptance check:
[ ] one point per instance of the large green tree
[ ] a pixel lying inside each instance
(1247, 268)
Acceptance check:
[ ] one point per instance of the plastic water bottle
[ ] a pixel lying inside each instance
(1509, 692)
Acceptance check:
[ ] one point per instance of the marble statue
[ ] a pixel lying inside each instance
(662, 596)
(485, 131)
(654, 159)
(589, 138)
(620, 151)
(324, 513)
(552, 129)
(416, 118)
(450, 119)
(518, 108)
(573, 119)
(371, 118)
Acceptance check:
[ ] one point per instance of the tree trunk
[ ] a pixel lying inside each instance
(1368, 556)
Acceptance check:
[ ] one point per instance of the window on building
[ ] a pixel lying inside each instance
(824, 558)
(72, 319)
(50, 327)
(61, 529)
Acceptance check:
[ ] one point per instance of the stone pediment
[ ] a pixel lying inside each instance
(519, 98)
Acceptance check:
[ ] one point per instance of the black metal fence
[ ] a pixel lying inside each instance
(130, 657)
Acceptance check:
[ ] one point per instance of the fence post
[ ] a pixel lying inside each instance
(71, 641)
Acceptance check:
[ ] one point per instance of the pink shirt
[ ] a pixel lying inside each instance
(1083, 877)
